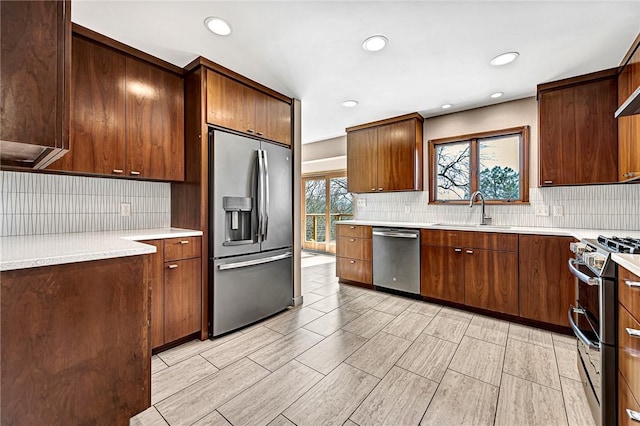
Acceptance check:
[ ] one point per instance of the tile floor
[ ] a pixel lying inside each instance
(350, 356)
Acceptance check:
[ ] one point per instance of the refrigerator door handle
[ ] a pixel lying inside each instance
(260, 195)
(244, 264)
(265, 222)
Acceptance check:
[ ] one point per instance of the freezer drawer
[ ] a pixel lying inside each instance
(248, 288)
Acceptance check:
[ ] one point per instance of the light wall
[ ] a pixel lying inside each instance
(324, 156)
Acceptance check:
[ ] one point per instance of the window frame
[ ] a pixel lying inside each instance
(473, 138)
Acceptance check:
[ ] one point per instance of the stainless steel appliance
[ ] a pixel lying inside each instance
(250, 230)
(594, 321)
(396, 259)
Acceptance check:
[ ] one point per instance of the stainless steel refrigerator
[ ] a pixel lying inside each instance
(250, 230)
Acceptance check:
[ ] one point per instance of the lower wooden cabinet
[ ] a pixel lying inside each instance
(174, 278)
(547, 287)
(628, 345)
(441, 274)
(354, 253)
(491, 280)
(626, 401)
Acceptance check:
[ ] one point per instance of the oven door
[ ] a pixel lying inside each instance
(585, 317)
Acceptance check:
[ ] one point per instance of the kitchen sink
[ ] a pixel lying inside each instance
(468, 225)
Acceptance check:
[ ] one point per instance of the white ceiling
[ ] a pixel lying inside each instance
(438, 52)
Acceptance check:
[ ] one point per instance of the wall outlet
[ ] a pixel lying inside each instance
(362, 202)
(125, 209)
(542, 210)
(407, 208)
(558, 211)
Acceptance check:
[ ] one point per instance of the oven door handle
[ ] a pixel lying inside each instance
(579, 334)
(581, 275)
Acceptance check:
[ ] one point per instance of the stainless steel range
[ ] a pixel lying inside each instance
(594, 320)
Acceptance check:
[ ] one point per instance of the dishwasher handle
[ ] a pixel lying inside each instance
(396, 234)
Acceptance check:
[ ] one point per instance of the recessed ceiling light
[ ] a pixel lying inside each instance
(497, 95)
(350, 103)
(504, 59)
(446, 106)
(375, 43)
(217, 25)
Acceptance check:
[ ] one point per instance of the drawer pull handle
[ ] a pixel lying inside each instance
(373, 189)
(458, 250)
(174, 266)
(352, 240)
(184, 242)
(469, 251)
(134, 173)
(633, 332)
(352, 261)
(633, 415)
(548, 181)
(250, 130)
(260, 133)
(118, 171)
(379, 189)
(630, 283)
(352, 227)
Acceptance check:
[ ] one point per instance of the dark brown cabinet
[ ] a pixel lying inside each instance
(442, 276)
(547, 287)
(491, 279)
(353, 253)
(629, 127)
(577, 130)
(236, 106)
(174, 278)
(385, 155)
(628, 344)
(34, 81)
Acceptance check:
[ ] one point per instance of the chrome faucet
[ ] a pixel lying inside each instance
(486, 220)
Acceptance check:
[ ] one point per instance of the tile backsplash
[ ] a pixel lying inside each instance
(34, 203)
(595, 207)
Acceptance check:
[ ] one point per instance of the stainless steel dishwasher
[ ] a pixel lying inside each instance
(396, 259)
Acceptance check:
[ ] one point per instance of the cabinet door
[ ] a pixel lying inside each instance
(491, 280)
(354, 270)
(547, 289)
(230, 104)
(154, 122)
(442, 274)
(181, 298)
(273, 118)
(557, 129)
(629, 127)
(361, 160)
(396, 157)
(97, 124)
(154, 271)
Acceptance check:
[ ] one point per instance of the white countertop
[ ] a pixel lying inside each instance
(631, 262)
(30, 251)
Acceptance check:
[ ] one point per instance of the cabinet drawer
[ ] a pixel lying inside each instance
(358, 231)
(354, 248)
(625, 401)
(470, 239)
(629, 349)
(181, 248)
(354, 270)
(629, 295)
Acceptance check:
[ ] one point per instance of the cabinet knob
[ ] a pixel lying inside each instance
(458, 250)
(174, 266)
(184, 242)
(629, 174)
(630, 283)
(352, 261)
(352, 239)
(373, 189)
(352, 227)
(260, 133)
(118, 171)
(548, 181)
(134, 173)
(469, 251)
(250, 130)
(633, 332)
(379, 189)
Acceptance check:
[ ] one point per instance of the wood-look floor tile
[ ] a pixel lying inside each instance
(401, 398)
(201, 398)
(424, 308)
(563, 338)
(354, 291)
(327, 289)
(149, 417)
(212, 419)
(567, 359)
(362, 303)
(428, 356)
(378, 355)
(329, 353)
(233, 350)
(294, 320)
(488, 329)
(327, 279)
(157, 364)
(575, 403)
(369, 323)
(283, 350)
(462, 400)
(479, 359)
(447, 326)
(281, 421)
(309, 287)
(530, 335)
(458, 312)
(347, 387)
(194, 347)
(265, 400)
(407, 325)
(331, 302)
(532, 362)
(526, 403)
(393, 305)
(331, 322)
(309, 298)
(349, 423)
(177, 377)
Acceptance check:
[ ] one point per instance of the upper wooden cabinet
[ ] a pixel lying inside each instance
(385, 155)
(629, 127)
(127, 115)
(577, 130)
(34, 81)
(236, 106)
